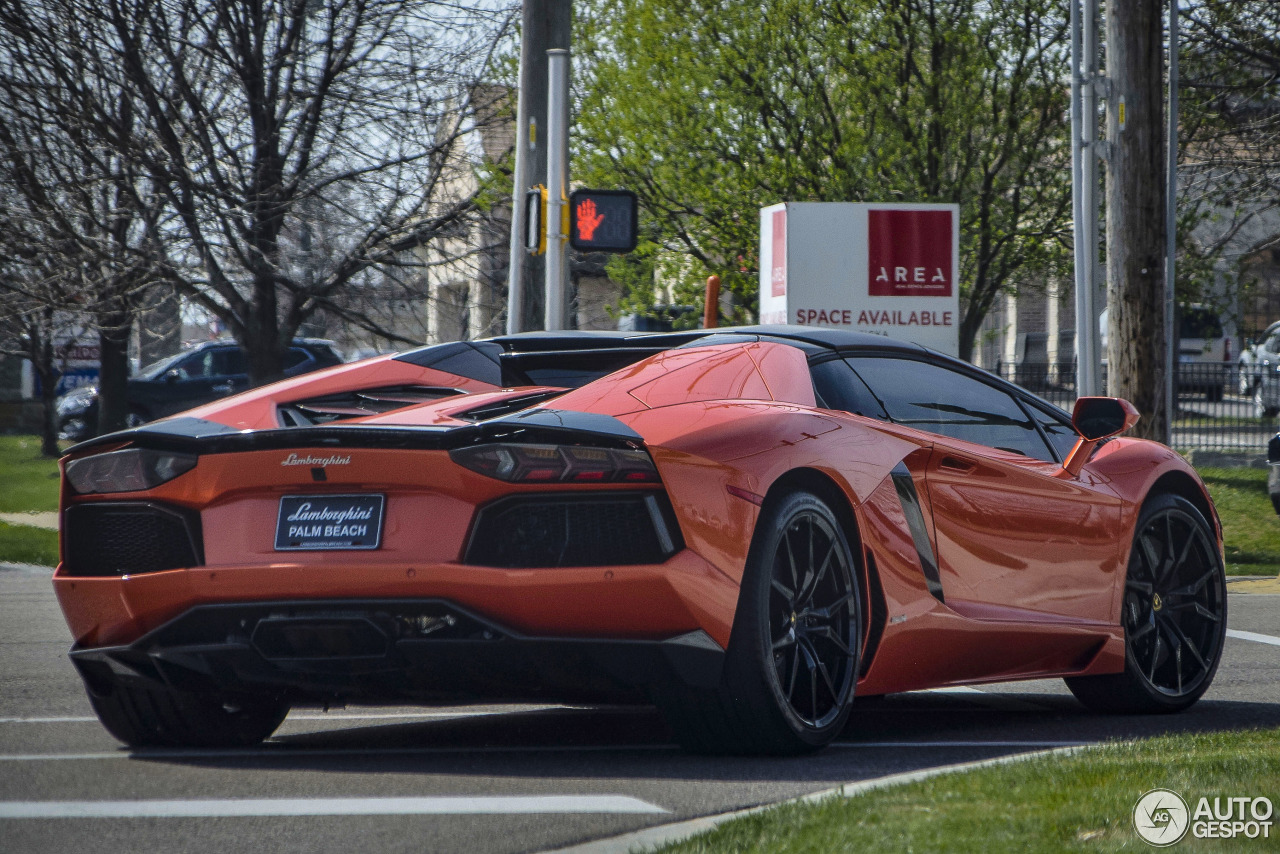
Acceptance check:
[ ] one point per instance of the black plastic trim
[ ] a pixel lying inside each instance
(910, 499)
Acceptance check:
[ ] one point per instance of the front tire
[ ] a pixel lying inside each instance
(1174, 615)
(147, 716)
(792, 661)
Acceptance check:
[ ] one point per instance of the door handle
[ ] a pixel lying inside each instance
(223, 388)
(957, 465)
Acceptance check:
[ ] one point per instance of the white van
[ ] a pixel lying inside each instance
(1204, 350)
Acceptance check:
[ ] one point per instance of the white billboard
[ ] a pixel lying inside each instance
(889, 269)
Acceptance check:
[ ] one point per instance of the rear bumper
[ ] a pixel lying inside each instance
(428, 649)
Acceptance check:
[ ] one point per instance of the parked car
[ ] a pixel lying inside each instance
(1204, 350)
(752, 528)
(205, 372)
(1259, 370)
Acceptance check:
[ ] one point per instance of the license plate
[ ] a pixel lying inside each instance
(311, 522)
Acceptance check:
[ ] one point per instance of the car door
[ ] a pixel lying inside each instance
(1017, 537)
(185, 384)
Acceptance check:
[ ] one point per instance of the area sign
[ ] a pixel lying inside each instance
(890, 269)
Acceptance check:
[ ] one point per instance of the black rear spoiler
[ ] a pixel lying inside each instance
(198, 436)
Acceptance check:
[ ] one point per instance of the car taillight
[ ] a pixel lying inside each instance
(126, 471)
(527, 463)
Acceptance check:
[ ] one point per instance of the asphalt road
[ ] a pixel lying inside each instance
(493, 779)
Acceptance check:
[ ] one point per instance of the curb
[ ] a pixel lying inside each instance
(666, 834)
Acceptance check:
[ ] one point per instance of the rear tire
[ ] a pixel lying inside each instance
(1174, 615)
(144, 716)
(792, 661)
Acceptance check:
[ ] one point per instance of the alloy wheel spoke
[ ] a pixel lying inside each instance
(830, 634)
(1183, 640)
(786, 592)
(795, 669)
(1143, 630)
(1144, 587)
(1155, 658)
(808, 594)
(1194, 587)
(829, 612)
(1148, 556)
(785, 641)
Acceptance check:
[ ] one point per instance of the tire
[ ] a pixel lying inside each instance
(1261, 409)
(1174, 615)
(792, 662)
(144, 716)
(1247, 380)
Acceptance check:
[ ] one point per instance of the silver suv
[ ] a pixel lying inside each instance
(1260, 372)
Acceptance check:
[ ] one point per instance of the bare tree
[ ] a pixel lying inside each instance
(259, 124)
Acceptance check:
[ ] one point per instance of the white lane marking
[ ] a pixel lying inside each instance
(285, 752)
(1253, 636)
(69, 719)
(452, 805)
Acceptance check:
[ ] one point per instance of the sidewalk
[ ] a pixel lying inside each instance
(35, 519)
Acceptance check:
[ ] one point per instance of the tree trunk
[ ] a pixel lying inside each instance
(1136, 332)
(113, 371)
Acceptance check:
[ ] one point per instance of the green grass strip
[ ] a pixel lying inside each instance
(30, 481)
(25, 544)
(1081, 802)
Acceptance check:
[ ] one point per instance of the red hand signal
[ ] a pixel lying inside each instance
(588, 219)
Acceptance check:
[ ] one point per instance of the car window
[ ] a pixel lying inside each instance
(1062, 436)
(1273, 343)
(934, 398)
(295, 357)
(838, 387)
(1200, 323)
(228, 362)
(196, 365)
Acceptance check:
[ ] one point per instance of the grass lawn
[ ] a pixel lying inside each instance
(1082, 802)
(1250, 525)
(30, 480)
(25, 544)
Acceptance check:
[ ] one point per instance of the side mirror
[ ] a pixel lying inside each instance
(172, 375)
(1095, 419)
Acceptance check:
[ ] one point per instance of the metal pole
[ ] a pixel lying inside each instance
(1084, 184)
(1078, 153)
(1089, 179)
(1171, 228)
(557, 167)
(515, 260)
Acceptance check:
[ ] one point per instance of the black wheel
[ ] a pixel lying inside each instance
(1262, 407)
(793, 657)
(1174, 617)
(144, 716)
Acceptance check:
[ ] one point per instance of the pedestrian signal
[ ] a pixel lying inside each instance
(603, 220)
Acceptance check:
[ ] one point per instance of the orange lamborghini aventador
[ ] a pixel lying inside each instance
(748, 527)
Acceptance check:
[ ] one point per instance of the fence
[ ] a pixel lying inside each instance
(1219, 407)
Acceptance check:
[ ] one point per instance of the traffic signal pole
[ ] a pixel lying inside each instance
(545, 24)
(557, 182)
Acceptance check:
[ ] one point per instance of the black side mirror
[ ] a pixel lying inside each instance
(1097, 418)
(172, 375)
